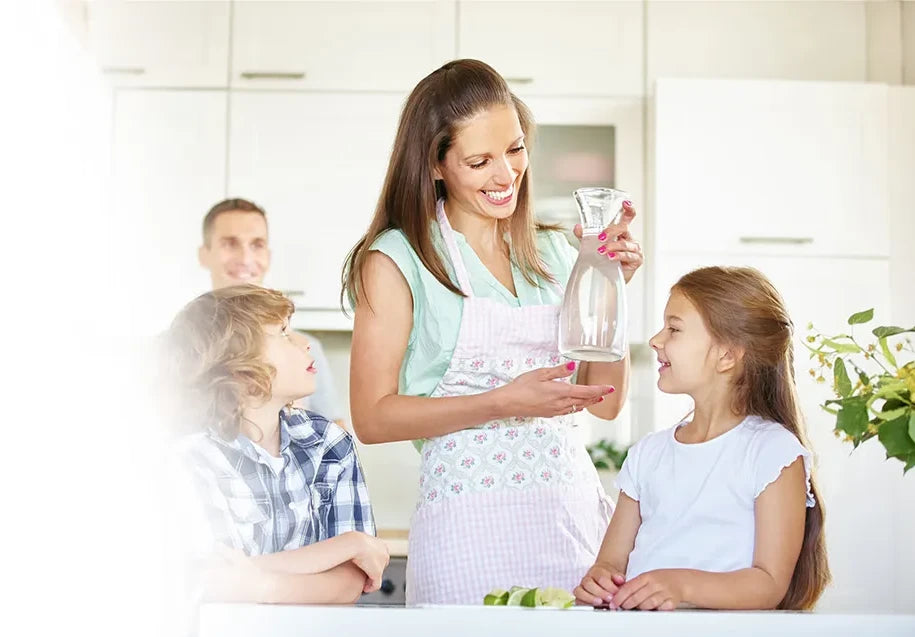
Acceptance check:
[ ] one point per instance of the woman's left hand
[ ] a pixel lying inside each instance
(618, 244)
(654, 590)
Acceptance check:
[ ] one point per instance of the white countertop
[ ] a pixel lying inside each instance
(237, 620)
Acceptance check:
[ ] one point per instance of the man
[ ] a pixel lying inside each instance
(235, 250)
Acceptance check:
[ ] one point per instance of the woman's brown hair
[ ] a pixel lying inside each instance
(741, 307)
(213, 356)
(432, 116)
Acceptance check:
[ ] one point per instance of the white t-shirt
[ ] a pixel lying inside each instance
(697, 500)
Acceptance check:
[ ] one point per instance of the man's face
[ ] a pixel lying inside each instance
(237, 250)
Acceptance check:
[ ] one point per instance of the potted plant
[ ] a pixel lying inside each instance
(608, 460)
(874, 385)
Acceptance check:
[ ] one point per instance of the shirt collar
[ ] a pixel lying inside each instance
(295, 428)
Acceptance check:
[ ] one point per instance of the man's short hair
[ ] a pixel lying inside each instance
(228, 205)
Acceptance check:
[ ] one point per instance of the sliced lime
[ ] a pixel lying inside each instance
(496, 597)
(515, 597)
(556, 598)
(531, 598)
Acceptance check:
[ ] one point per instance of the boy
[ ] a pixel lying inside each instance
(274, 495)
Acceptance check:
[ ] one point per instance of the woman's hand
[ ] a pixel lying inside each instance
(599, 585)
(538, 393)
(618, 244)
(654, 590)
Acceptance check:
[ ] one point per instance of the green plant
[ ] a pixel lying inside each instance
(874, 388)
(604, 454)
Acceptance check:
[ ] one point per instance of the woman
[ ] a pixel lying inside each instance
(457, 295)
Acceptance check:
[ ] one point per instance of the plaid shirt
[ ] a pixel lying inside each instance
(260, 504)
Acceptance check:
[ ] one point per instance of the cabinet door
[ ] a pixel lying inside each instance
(339, 45)
(782, 168)
(794, 40)
(859, 488)
(550, 48)
(169, 166)
(316, 162)
(174, 44)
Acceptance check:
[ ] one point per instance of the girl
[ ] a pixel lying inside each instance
(281, 509)
(719, 511)
(457, 292)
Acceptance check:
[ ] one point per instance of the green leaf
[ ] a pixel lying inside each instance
(892, 330)
(843, 384)
(861, 317)
(894, 435)
(842, 348)
(829, 410)
(909, 463)
(852, 418)
(885, 348)
(912, 426)
(864, 378)
(892, 414)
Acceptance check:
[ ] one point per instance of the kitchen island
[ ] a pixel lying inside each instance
(237, 620)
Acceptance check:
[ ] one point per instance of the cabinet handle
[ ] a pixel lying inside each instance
(520, 80)
(782, 240)
(272, 75)
(124, 70)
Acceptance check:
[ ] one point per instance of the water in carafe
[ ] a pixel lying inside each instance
(593, 318)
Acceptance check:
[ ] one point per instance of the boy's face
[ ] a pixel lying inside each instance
(237, 250)
(288, 352)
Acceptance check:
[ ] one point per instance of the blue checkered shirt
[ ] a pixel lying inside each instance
(261, 504)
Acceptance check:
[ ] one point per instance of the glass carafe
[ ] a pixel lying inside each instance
(592, 321)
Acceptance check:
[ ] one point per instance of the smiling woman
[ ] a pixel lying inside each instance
(456, 291)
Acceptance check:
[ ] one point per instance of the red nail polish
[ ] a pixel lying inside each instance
(570, 365)
(602, 236)
(600, 399)
(602, 249)
(627, 204)
(611, 255)
(612, 389)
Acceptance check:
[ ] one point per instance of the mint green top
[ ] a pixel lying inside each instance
(437, 310)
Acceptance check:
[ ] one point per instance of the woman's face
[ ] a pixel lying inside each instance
(484, 167)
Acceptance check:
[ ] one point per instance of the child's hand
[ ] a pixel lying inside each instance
(599, 585)
(654, 590)
(371, 556)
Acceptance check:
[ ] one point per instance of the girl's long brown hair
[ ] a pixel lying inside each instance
(742, 308)
(432, 116)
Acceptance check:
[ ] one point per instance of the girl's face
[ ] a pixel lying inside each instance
(288, 352)
(686, 351)
(484, 167)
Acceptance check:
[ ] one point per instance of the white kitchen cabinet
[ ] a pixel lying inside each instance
(169, 168)
(793, 40)
(162, 44)
(553, 48)
(770, 167)
(316, 163)
(342, 46)
(859, 489)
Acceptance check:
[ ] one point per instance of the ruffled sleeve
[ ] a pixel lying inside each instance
(779, 449)
(627, 480)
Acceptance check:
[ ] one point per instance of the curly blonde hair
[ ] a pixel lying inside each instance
(214, 355)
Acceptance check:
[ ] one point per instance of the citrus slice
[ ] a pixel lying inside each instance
(496, 597)
(556, 598)
(531, 598)
(514, 598)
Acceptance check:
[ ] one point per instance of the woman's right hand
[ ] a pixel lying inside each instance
(599, 585)
(537, 393)
(371, 556)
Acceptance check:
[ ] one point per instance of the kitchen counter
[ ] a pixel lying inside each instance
(237, 620)
(396, 539)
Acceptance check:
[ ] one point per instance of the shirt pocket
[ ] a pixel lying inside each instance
(250, 519)
(320, 505)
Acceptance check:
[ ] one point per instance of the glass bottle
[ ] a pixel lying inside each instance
(593, 318)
